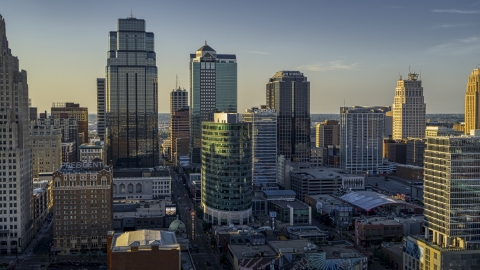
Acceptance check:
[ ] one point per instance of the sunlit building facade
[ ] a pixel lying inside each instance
(213, 88)
(132, 96)
(409, 109)
(472, 102)
(226, 170)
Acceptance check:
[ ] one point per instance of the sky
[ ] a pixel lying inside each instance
(352, 52)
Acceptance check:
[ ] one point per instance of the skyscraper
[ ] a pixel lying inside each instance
(132, 96)
(472, 102)
(179, 122)
(361, 138)
(409, 109)
(288, 93)
(101, 108)
(327, 133)
(16, 221)
(452, 185)
(178, 100)
(226, 170)
(263, 133)
(213, 88)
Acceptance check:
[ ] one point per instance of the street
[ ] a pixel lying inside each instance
(205, 258)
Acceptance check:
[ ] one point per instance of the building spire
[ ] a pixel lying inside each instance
(131, 13)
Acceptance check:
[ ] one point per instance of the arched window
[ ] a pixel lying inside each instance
(139, 188)
(114, 189)
(122, 188)
(130, 188)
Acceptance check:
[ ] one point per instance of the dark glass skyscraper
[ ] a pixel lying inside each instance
(288, 92)
(213, 88)
(131, 103)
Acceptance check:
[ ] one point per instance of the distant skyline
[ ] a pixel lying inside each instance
(348, 51)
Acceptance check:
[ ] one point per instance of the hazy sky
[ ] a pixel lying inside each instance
(349, 50)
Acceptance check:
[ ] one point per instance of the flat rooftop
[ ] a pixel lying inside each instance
(295, 204)
(318, 173)
(378, 221)
(326, 199)
(341, 249)
(395, 247)
(248, 251)
(305, 231)
(298, 245)
(130, 210)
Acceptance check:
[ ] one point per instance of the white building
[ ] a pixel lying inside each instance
(361, 138)
(409, 109)
(89, 152)
(16, 226)
(46, 144)
(142, 183)
(264, 145)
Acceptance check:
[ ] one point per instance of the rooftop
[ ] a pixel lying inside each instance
(305, 231)
(395, 247)
(341, 249)
(368, 199)
(246, 251)
(378, 221)
(143, 238)
(296, 204)
(290, 246)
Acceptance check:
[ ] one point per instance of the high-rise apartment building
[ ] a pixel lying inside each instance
(46, 144)
(263, 133)
(288, 93)
(327, 133)
(361, 138)
(451, 188)
(16, 220)
(73, 110)
(179, 123)
(472, 102)
(408, 109)
(213, 88)
(82, 207)
(101, 128)
(226, 170)
(69, 130)
(131, 96)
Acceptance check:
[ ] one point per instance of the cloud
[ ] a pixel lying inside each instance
(457, 47)
(333, 65)
(452, 25)
(257, 52)
(456, 11)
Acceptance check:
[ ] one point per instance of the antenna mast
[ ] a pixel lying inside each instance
(176, 82)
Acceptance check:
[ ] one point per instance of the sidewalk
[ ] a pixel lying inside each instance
(41, 233)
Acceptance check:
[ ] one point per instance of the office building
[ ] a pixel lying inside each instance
(288, 93)
(46, 144)
(361, 138)
(408, 109)
(142, 183)
(101, 128)
(452, 236)
(226, 170)
(82, 207)
(415, 151)
(213, 88)
(15, 153)
(439, 131)
(395, 150)
(73, 110)
(179, 124)
(69, 130)
(94, 150)
(144, 249)
(131, 94)
(472, 102)
(263, 133)
(327, 133)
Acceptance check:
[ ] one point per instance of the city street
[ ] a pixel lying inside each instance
(205, 257)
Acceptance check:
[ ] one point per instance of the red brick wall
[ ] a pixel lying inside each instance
(146, 260)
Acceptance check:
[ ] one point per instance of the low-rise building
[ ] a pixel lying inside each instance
(291, 212)
(142, 183)
(137, 216)
(312, 233)
(394, 251)
(144, 249)
(374, 230)
(91, 151)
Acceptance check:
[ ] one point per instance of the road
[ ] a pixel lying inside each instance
(205, 254)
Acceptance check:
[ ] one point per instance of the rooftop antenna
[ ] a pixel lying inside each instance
(408, 69)
(176, 82)
(131, 13)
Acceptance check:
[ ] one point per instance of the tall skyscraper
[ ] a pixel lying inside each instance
(409, 109)
(132, 96)
(46, 144)
(327, 133)
(16, 221)
(288, 93)
(73, 110)
(178, 100)
(361, 138)
(213, 88)
(226, 170)
(472, 102)
(452, 185)
(101, 128)
(179, 122)
(263, 133)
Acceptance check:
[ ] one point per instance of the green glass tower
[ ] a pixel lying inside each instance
(226, 170)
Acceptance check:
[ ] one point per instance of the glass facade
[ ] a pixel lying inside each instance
(288, 93)
(452, 191)
(226, 166)
(213, 88)
(264, 145)
(361, 138)
(132, 96)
